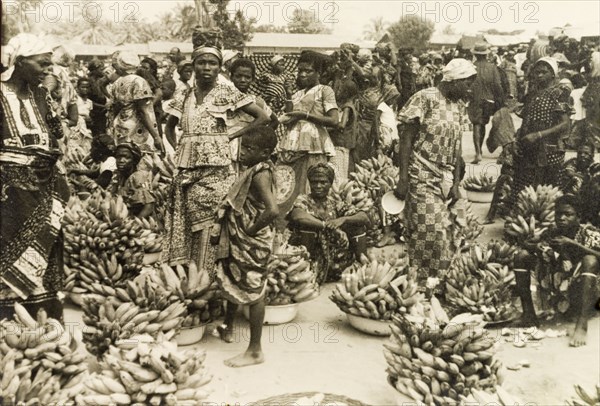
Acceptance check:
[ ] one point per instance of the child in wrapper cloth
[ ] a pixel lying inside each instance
(245, 239)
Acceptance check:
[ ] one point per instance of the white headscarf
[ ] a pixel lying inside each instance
(457, 69)
(25, 45)
(550, 61)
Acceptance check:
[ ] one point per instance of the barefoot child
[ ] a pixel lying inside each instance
(245, 240)
(578, 247)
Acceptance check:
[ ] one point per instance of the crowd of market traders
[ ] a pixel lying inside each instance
(256, 152)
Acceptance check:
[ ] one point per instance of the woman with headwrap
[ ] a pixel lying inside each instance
(203, 157)
(135, 186)
(370, 97)
(331, 237)
(431, 127)
(132, 98)
(540, 152)
(272, 84)
(34, 189)
(309, 112)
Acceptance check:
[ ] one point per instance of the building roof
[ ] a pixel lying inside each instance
(163, 47)
(309, 41)
(468, 42)
(445, 39)
(506, 40)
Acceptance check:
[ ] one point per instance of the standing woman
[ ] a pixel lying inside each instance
(34, 189)
(132, 99)
(309, 112)
(540, 140)
(431, 126)
(203, 158)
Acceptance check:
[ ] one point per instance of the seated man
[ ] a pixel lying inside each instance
(578, 249)
(329, 236)
(577, 169)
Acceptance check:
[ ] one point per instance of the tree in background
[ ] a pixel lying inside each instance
(306, 22)
(14, 21)
(449, 30)
(376, 29)
(236, 31)
(412, 31)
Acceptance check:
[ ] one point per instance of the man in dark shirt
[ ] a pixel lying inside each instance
(488, 96)
(407, 76)
(98, 112)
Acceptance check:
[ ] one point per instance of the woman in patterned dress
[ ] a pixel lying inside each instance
(309, 112)
(34, 189)
(540, 154)
(203, 159)
(132, 98)
(431, 126)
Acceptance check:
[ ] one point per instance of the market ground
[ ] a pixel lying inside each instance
(320, 352)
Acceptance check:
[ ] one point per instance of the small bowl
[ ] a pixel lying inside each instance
(480, 197)
(190, 335)
(391, 204)
(276, 314)
(369, 326)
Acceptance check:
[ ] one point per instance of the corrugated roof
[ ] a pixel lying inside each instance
(506, 40)
(468, 42)
(314, 41)
(443, 39)
(163, 47)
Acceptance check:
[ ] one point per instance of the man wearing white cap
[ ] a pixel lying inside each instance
(430, 127)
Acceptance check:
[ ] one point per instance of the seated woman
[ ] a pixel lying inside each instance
(329, 236)
(100, 164)
(132, 184)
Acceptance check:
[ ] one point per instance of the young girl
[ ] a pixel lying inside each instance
(245, 239)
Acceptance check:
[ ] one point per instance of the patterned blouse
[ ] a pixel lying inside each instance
(127, 123)
(135, 190)
(441, 124)
(543, 110)
(205, 141)
(322, 210)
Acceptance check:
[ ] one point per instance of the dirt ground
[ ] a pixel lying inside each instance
(320, 352)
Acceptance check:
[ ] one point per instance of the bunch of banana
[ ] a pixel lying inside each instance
(376, 289)
(32, 351)
(103, 244)
(481, 183)
(475, 284)
(377, 175)
(441, 364)
(193, 287)
(74, 158)
(585, 399)
(502, 253)
(148, 372)
(533, 215)
(472, 228)
(290, 278)
(350, 198)
(107, 320)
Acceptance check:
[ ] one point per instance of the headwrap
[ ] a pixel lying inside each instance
(134, 149)
(24, 45)
(183, 64)
(202, 37)
(321, 169)
(276, 59)
(126, 61)
(566, 83)
(595, 62)
(228, 55)
(95, 64)
(207, 50)
(551, 62)
(560, 58)
(457, 69)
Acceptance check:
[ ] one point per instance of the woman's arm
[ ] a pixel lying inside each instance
(302, 219)
(345, 117)
(359, 219)
(407, 133)
(262, 188)
(561, 128)
(330, 119)
(72, 115)
(260, 119)
(274, 121)
(172, 122)
(146, 108)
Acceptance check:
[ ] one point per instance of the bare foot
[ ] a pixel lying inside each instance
(489, 220)
(476, 160)
(579, 335)
(246, 359)
(226, 333)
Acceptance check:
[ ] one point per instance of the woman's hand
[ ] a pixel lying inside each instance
(336, 223)
(401, 189)
(530, 139)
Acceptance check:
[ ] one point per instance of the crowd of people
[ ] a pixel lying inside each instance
(247, 159)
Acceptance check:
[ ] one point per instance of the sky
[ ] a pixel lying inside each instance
(348, 18)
